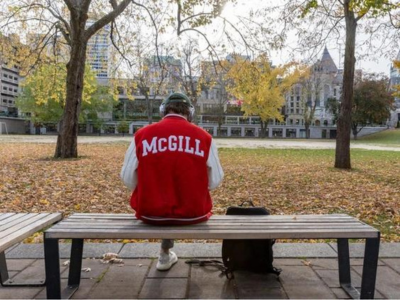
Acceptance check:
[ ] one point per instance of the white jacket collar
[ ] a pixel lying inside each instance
(175, 115)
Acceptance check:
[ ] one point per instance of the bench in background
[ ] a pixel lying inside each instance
(125, 226)
(14, 228)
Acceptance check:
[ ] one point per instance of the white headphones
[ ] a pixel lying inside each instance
(174, 98)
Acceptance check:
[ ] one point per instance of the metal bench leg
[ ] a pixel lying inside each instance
(344, 268)
(75, 267)
(52, 267)
(3, 269)
(5, 279)
(370, 268)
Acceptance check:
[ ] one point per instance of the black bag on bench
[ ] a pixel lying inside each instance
(250, 255)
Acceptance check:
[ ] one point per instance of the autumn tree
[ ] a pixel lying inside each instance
(43, 95)
(148, 60)
(66, 22)
(262, 87)
(123, 127)
(317, 21)
(372, 103)
(191, 71)
(213, 84)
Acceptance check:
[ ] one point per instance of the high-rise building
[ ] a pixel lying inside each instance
(99, 53)
(9, 89)
(9, 80)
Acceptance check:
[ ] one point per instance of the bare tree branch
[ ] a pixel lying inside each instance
(57, 16)
(106, 19)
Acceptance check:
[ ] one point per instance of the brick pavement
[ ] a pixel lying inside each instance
(303, 276)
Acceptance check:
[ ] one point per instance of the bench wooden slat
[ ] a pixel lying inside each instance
(12, 218)
(226, 221)
(131, 215)
(283, 217)
(27, 228)
(14, 224)
(237, 226)
(5, 215)
(255, 222)
(218, 227)
(209, 234)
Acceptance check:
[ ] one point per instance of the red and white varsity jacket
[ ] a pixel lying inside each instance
(170, 166)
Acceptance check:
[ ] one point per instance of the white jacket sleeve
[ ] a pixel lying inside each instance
(128, 171)
(215, 173)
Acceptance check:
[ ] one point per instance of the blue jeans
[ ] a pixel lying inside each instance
(167, 244)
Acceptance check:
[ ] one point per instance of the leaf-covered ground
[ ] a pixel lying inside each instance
(286, 181)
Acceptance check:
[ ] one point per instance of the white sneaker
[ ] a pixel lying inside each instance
(166, 261)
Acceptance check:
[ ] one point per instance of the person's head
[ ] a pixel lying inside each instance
(177, 103)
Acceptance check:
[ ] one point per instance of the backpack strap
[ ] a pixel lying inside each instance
(249, 202)
(215, 263)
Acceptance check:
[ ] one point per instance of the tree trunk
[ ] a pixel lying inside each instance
(355, 135)
(219, 129)
(307, 128)
(67, 141)
(149, 109)
(342, 154)
(194, 103)
(263, 131)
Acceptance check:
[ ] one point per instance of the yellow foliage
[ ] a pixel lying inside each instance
(261, 86)
(48, 83)
(128, 85)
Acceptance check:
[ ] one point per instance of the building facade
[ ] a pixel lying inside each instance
(9, 77)
(395, 81)
(99, 53)
(219, 114)
(9, 87)
(164, 75)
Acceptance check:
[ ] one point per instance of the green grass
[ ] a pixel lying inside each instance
(387, 137)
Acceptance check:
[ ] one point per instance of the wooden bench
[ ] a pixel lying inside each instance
(14, 228)
(124, 226)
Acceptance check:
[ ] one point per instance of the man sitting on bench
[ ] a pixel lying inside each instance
(170, 166)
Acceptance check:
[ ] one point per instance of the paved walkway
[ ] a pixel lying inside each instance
(309, 271)
(221, 142)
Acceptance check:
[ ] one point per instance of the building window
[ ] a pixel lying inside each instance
(236, 131)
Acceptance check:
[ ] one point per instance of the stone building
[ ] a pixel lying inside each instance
(395, 80)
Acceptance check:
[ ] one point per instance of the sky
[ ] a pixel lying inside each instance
(370, 64)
